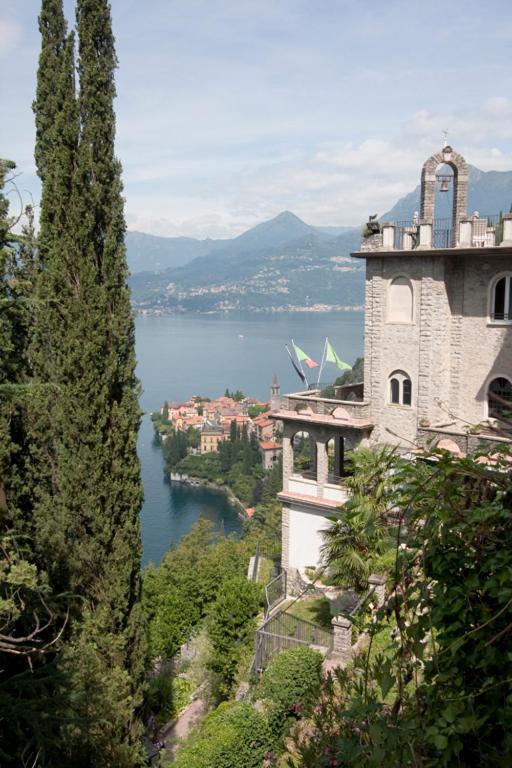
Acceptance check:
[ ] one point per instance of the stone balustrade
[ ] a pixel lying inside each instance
(324, 406)
(470, 232)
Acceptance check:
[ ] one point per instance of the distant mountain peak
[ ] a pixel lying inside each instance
(287, 216)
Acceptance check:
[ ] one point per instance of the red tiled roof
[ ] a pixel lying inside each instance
(270, 445)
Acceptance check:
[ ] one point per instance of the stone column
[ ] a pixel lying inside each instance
(339, 455)
(388, 236)
(507, 230)
(322, 463)
(407, 242)
(465, 233)
(342, 645)
(379, 584)
(425, 235)
(287, 461)
(313, 453)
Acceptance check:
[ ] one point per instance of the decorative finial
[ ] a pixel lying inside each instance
(445, 136)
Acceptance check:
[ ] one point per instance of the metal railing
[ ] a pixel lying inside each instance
(275, 591)
(282, 631)
(487, 230)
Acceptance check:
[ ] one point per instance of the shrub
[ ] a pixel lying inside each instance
(235, 735)
(292, 680)
(167, 695)
(230, 627)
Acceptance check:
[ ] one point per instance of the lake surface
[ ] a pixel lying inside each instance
(189, 355)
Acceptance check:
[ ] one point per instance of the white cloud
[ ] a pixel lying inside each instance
(10, 34)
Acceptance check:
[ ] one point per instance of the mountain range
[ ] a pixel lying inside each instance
(281, 265)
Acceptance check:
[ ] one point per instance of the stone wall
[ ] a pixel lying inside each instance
(451, 350)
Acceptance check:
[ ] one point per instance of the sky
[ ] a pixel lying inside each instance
(231, 111)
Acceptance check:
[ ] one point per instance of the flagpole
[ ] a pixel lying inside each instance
(302, 369)
(295, 367)
(322, 363)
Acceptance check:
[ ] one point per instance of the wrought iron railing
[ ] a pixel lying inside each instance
(275, 591)
(282, 631)
(487, 230)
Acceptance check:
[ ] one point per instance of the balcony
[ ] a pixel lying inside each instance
(311, 406)
(475, 231)
(305, 488)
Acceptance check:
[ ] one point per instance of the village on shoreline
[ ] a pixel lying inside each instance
(229, 443)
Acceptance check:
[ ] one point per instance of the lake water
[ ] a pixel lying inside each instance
(187, 355)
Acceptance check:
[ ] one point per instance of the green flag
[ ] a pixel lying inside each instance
(303, 357)
(332, 357)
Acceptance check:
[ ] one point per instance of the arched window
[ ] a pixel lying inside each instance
(400, 388)
(499, 397)
(400, 301)
(501, 299)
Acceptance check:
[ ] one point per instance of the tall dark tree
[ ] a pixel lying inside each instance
(89, 490)
(47, 104)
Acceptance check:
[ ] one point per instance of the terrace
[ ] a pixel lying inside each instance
(476, 231)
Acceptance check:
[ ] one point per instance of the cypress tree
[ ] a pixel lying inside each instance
(52, 26)
(89, 490)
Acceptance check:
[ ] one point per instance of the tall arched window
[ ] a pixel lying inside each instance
(501, 299)
(400, 388)
(400, 301)
(499, 397)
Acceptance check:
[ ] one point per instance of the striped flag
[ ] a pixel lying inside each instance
(303, 358)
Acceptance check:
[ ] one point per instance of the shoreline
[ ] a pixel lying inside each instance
(177, 477)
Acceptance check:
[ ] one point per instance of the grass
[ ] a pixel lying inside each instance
(317, 610)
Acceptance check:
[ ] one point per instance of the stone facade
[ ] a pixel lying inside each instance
(433, 343)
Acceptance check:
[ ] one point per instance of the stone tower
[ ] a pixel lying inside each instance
(438, 320)
(275, 396)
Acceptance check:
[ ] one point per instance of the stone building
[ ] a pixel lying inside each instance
(438, 355)
(270, 453)
(211, 436)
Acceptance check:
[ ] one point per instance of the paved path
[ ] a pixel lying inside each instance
(181, 727)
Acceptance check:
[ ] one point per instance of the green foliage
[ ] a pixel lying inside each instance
(433, 687)
(353, 376)
(237, 395)
(256, 410)
(317, 610)
(230, 625)
(72, 485)
(167, 695)
(292, 681)
(177, 593)
(357, 544)
(235, 735)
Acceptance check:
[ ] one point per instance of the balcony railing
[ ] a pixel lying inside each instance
(474, 231)
(323, 406)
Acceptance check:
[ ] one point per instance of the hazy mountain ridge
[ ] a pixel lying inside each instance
(281, 264)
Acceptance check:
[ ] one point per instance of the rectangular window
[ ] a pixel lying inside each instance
(407, 392)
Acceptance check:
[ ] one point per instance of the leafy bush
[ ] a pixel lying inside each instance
(230, 627)
(167, 695)
(235, 735)
(433, 686)
(292, 680)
